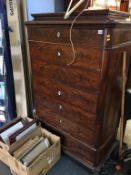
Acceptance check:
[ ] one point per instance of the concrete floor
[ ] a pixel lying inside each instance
(66, 166)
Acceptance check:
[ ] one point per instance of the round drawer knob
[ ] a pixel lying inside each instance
(58, 34)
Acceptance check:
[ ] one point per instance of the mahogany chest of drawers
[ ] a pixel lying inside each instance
(80, 99)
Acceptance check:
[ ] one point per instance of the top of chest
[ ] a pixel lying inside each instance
(93, 28)
(89, 17)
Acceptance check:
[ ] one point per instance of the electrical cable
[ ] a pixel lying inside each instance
(71, 28)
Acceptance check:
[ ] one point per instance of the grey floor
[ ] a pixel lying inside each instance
(66, 166)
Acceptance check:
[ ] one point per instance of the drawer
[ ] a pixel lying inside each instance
(73, 147)
(76, 97)
(47, 54)
(121, 36)
(63, 124)
(81, 36)
(74, 114)
(78, 78)
(82, 152)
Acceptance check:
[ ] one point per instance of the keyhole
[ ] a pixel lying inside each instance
(60, 121)
(59, 54)
(60, 107)
(59, 93)
(58, 34)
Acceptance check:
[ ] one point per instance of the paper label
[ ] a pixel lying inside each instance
(100, 32)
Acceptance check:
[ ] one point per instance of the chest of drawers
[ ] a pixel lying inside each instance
(80, 101)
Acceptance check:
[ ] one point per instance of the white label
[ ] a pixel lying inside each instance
(50, 160)
(100, 32)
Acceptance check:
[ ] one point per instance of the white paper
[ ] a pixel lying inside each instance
(26, 131)
(5, 135)
(34, 153)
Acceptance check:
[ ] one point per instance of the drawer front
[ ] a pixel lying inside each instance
(87, 58)
(65, 110)
(63, 124)
(90, 37)
(72, 146)
(76, 97)
(78, 78)
(83, 153)
(121, 36)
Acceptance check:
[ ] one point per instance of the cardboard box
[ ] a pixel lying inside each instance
(42, 164)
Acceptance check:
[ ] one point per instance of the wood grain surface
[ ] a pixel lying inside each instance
(81, 101)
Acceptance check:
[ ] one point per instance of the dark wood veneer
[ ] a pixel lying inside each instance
(83, 60)
(50, 35)
(81, 101)
(70, 95)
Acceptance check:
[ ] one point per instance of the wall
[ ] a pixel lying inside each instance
(59, 5)
(44, 6)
